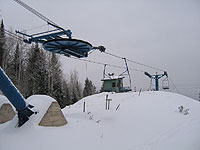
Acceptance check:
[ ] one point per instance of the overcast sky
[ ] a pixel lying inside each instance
(160, 33)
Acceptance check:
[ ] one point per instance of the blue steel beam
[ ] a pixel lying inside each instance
(15, 97)
(42, 38)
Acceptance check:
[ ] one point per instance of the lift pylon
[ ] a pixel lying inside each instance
(156, 77)
(16, 98)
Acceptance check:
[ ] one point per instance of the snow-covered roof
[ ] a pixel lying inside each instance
(112, 78)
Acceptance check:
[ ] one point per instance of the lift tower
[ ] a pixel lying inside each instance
(156, 77)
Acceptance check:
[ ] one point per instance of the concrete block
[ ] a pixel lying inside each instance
(53, 116)
(6, 113)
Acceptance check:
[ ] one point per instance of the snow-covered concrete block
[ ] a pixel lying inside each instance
(53, 116)
(6, 113)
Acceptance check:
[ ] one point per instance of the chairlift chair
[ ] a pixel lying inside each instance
(165, 84)
(156, 77)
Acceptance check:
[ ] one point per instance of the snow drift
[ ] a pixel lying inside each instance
(150, 121)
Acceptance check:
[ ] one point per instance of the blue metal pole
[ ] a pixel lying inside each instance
(156, 82)
(15, 97)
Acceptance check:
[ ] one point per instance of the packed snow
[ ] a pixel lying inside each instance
(135, 121)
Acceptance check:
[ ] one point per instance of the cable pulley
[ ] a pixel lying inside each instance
(54, 42)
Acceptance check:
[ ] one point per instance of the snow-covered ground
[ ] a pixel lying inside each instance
(151, 121)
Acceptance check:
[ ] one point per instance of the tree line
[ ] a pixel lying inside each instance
(35, 71)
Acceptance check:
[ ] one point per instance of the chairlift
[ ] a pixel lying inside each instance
(152, 86)
(54, 42)
(165, 84)
(120, 76)
(156, 77)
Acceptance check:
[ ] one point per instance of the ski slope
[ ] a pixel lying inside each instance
(151, 121)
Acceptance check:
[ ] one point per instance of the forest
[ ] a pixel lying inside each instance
(36, 71)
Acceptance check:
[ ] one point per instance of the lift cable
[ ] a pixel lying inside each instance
(34, 28)
(13, 35)
(57, 26)
(86, 60)
(174, 86)
(100, 63)
(115, 66)
(38, 14)
(134, 61)
(95, 62)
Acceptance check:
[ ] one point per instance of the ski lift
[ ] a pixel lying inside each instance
(152, 86)
(54, 42)
(156, 77)
(68, 47)
(165, 84)
(115, 83)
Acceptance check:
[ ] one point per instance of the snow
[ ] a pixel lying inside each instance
(151, 121)
(3, 100)
(112, 78)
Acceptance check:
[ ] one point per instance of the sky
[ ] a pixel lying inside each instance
(161, 33)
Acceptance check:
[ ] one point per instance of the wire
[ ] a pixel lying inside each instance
(55, 25)
(13, 35)
(174, 85)
(35, 28)
(100, 63)
(134, 61)
(37, 14)
(113, 55)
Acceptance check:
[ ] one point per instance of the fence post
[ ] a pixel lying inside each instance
(140, 91)
(106, 101)
(84, 106)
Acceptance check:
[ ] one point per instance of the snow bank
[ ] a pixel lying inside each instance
(149, 121)
(3, 100)
(40, 102)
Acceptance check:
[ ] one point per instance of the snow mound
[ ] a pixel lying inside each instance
(6, 110)
(3, 100)
(40, 102)
(149, 121)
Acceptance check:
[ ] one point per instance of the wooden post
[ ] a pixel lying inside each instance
(84, 106)
(106, 101)
(117, 107)
(140, 91)
(108, 104)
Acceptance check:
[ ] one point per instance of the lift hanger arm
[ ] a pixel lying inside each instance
(147, 74)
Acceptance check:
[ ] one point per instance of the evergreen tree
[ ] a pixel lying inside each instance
(2, 44)
(75, 87)
(89, 88)
(67, 98)
(55, 83)
(74, 97)
(15, 67)
(37, 76)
